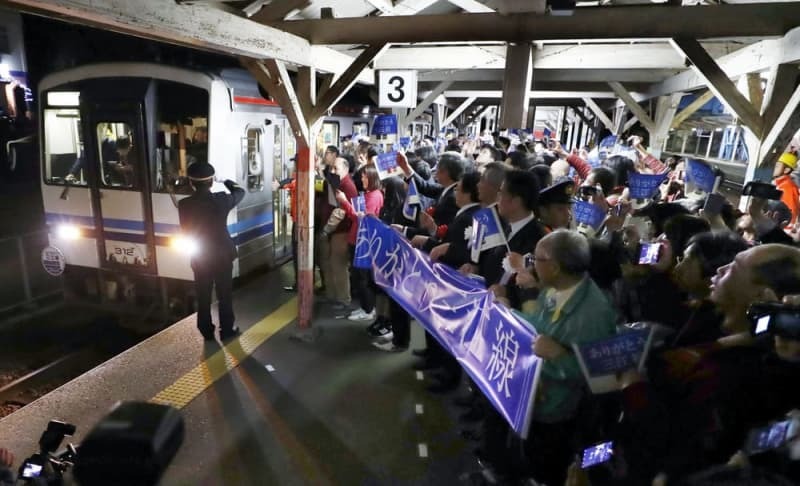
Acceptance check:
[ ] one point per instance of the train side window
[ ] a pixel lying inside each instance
(329, 135)
(255, 160)
(118, 155)
(361, 128)
(64, 160)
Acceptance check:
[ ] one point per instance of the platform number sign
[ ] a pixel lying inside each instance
(397, 89)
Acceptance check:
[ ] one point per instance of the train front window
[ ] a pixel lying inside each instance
(64, 161)
(118, 154)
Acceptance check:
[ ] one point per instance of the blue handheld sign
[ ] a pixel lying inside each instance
(701, 175)
(387, 165)
(618, 353)
(644, 186)
(588, 214)
(597, 454)
(385, 125)
(359, 204)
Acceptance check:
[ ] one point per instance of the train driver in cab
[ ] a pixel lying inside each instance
(203, 219)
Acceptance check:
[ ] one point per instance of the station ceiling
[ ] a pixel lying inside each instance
(577, 49)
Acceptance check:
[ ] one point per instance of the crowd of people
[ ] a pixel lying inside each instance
(709, 380)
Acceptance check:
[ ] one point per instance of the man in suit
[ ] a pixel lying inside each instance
(450, 169)
(453, 249)
(516, 202)
(203, 218)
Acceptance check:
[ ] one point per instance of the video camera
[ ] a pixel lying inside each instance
(775, 318)
(132, 445)
(47, 467)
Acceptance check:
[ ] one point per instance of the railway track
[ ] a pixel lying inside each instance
(40, 381)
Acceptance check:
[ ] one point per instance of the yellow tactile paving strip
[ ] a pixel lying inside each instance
(189, 386)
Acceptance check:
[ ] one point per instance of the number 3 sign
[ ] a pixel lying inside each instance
(397, 89)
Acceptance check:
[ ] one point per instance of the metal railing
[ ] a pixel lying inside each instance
(25, 282)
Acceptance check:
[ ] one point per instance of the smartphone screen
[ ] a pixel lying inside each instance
(597, 454)
(31, 470)
(649, 253)
(769, 437)
(762, 324)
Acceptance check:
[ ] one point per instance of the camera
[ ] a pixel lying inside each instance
(761, 190)
(775, 318)
(47, 467)
(132, 445)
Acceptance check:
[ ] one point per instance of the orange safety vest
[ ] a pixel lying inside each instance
(791, 195)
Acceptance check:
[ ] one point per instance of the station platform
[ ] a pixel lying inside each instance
(268, 409)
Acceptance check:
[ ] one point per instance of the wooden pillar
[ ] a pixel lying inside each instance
(305, 233)
(517, 85)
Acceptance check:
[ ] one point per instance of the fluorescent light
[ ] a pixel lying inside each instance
(63, 98)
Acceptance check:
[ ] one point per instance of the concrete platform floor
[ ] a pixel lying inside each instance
(335, 411)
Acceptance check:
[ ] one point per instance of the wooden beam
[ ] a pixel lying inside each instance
(346, 81)
(757, 57)
(194, 26)
(271, 74)
(787, 124)
(665, 112)
(516, 84)
(307, 90)
(632, 105)
(754, 93)
(426, 102)
(325, 59)
(719, 83)
(605, 120)
(628, 124)
(278, 10)
(472, 6)
(691, 109)
(459, 110)
(781, 82)
(641, 21)
(325, 84)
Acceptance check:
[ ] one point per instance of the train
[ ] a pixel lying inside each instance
(115, 233)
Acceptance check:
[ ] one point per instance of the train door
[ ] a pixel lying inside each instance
(116, 151)
(282, 151)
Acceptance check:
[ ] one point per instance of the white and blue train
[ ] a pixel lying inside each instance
(112, 213)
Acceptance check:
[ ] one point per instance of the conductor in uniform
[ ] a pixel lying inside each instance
(203, 217)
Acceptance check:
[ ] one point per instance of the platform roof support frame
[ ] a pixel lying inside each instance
(695, 105)
(599, 113)
(305, 110)
(516, 85)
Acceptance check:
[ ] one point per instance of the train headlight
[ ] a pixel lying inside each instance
(185, 244)
(68, 232)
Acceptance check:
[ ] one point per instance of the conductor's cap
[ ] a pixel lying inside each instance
(200, 171)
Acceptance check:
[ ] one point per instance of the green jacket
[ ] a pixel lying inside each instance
(585, 317)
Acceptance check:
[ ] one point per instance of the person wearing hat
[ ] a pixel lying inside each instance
(555, 205)
(203, 218)
(782, 178)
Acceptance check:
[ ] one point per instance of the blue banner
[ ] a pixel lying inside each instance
(405, 142)
(359, 204)
(490, 342)
(412, 203)
(588, 214)
(385, 125)
(616, 354)
(701, 175)
(644, 186)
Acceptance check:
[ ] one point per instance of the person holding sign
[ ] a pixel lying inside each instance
(373, 202)
(570, 309)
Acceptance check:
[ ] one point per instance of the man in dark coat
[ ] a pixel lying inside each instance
(203, 218)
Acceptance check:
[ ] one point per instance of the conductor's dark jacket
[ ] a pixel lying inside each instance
(204, 216)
